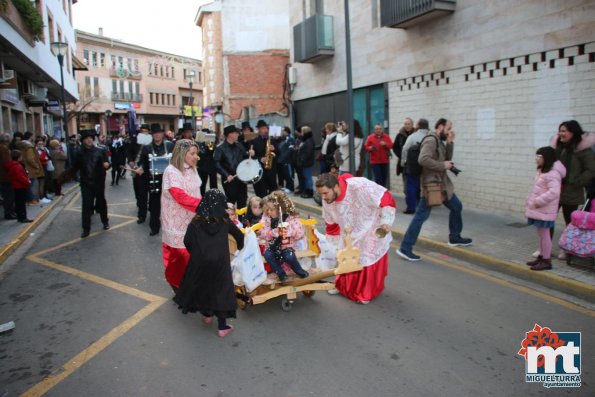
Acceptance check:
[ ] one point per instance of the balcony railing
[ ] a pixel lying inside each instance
(127, 96)
(406, 13)
(313, 39)
(124, 73)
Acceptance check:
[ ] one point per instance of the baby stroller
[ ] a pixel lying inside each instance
(578, 238)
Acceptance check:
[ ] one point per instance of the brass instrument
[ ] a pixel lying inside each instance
(268, 156)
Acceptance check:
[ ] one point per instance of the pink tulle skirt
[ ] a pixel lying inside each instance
(175, 261)
(366, 284)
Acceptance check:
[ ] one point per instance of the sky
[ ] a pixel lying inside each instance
(156, 24)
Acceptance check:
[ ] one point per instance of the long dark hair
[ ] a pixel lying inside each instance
(357, 129)
(549, 158)
(577, 131)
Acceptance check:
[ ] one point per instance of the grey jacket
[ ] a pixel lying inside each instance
(432, 155)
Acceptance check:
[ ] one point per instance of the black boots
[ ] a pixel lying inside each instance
(535, 262)
(308, 193)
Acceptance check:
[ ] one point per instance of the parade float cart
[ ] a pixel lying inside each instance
(347, 262)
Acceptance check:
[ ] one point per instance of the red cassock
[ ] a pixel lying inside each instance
(367, 283)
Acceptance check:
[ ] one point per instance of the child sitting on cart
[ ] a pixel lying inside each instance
(253, 212)
(233, 215)
(281, 230)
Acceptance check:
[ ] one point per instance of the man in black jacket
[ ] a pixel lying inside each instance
(134, 151)
(227, 157)
(91, 162)
(207, 169)
(152, 178)
(268, 182)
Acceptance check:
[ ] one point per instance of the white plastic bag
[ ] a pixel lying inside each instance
(249, 263)
(327, 259)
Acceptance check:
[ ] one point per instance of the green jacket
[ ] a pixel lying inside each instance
(580, 169)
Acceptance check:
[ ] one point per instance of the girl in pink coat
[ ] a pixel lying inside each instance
(543, 201)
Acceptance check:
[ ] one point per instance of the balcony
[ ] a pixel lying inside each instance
(125, 73)
(313, 39)
(404, 14)
(127, 96)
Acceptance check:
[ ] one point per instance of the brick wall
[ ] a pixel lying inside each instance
(501, 112)
(256, 79)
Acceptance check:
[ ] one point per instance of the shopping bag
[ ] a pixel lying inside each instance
(577, 241)
(327, 259)
(249, 263)
(583, 219)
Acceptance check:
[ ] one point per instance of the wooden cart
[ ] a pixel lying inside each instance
(347, 262)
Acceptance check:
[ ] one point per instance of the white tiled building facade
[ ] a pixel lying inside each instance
(505, 72)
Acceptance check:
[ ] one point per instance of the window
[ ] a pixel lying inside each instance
(167, 71)
(136, 65)
(87, 91)
(114, 86)
(137, 88)
(163, 99)
(121, 86)
(161, 71)
(129, 63)
(199, 77)
(96, 87)
(86, 57)
(156, 99)
(151, 97)
(102, 59)
(94, 59)
(51, 26)
(113, 58)
(184, 74)
(130, 87)
(173, 100)
(173, 73)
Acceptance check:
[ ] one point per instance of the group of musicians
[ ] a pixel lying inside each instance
(149, 153)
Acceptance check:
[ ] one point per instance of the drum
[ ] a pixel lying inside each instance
(249, 171)
(158, 164)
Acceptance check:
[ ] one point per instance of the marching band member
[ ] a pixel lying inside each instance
(268, 182)
(134, 151)
(206, 163)
(187, 131)
(181, 195)
(151, 183)
(227, 157)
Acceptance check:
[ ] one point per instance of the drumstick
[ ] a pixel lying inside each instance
(225, 181)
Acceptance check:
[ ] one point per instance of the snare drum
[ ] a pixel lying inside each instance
(158, 164)
(249, 171)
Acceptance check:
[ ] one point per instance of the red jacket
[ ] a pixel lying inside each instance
(18, 176)
(378, 154)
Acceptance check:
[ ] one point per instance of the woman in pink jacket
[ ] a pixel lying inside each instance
(542, 204)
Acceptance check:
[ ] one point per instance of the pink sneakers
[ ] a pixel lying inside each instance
(224, 332)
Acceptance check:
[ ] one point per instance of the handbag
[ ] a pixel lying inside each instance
(50, 166)
(583, 219)
(434, 194)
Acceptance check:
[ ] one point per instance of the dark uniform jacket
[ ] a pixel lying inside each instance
(227, 157)
(89, 162)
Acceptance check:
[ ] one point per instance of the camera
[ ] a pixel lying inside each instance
(455, 170)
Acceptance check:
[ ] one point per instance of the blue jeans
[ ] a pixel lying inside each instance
(455, 221)
(412, 191)
(307, 173)
(380, 173)
(276, 258)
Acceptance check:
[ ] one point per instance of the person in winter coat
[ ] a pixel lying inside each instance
(32, 165)
(20, 184)
(573, 149)
(59, 160)
(541, 209)
(379, 146)
(305, 160)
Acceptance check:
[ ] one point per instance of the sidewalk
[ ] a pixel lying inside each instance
(500, 242)
(13, 233)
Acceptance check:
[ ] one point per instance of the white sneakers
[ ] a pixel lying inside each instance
(45, 200)
(333, 291)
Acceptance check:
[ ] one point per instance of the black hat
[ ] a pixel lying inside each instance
(86, 133)
(156, 127)
(246, 124)
(145, 127)
(229, 129)
(261, 123)
(187, 126)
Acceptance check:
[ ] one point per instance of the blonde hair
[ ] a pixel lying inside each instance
(280, 200)
(330, 127)
(179, 153)
(54, 144)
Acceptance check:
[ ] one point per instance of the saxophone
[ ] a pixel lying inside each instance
(268, 156)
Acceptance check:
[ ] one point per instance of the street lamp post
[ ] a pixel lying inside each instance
(60, 49)
(190, 76)
(349, 91)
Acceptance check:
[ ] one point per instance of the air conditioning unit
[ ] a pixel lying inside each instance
(5, 74)
(28, 88)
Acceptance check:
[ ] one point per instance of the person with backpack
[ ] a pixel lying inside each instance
(435, 158)
(410, 164)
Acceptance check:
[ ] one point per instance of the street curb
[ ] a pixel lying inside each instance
(20, 238)
(554, 281)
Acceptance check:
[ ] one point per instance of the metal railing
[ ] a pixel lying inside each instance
(313, 38)
(405, 13)
(126, 96)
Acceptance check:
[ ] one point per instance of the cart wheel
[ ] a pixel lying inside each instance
(286, 304)
(308, 294)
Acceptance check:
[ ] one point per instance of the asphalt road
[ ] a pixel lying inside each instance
(95, 318)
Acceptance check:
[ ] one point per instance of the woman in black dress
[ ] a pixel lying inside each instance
(207, 286)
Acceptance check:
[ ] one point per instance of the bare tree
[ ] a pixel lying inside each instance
(76, 109)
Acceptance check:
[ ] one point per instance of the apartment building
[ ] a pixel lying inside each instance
(245, 58)
(505, 72)
(123, 76)
(30, 84)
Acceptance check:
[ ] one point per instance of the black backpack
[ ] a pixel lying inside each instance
(412, 166)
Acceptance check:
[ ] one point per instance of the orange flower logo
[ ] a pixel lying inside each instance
(538, 337)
